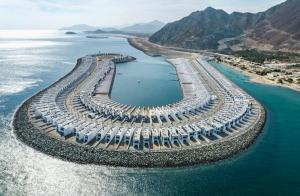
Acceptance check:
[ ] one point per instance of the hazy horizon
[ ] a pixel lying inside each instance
(54, 14)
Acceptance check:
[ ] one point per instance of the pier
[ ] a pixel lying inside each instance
(77, 111)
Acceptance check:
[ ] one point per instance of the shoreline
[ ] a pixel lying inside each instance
(213, 152)
(259, 79)
(253, 77)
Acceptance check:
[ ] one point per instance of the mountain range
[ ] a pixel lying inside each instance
(79, 27)
(140, 28)
(146, 28)
(278, 28)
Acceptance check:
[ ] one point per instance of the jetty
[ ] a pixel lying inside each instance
(76, 120)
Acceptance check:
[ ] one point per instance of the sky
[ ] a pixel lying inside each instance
(53, 14)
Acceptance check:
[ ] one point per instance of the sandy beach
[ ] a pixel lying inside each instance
(263, 80)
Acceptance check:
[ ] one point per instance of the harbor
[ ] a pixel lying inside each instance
(274, 153)
(214, 120)
(153, 98)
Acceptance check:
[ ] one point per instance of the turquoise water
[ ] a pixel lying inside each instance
(269, 167)
(147, 81)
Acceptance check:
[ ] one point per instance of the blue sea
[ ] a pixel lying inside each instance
(30, 60)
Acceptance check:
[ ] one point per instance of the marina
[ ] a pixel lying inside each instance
(274, 153)
(78, 111)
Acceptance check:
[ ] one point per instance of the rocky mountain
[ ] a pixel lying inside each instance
(280, 27)
(201, 29)
(145, 28)
(275, 29)
(109, 29)
(118, 32)
(79, 27)
(141, 29)
(98, 31)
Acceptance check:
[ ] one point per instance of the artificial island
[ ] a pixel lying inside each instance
(76, 120)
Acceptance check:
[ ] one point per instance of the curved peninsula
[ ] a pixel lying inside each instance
(75, 119)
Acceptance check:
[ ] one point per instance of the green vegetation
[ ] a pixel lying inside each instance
(243, 67)
(288, 73)
(276, 70)
(290, 80)
(262, 56)
(218, 58)
(232, 42)
(70, 33)
(296, 66)
(263, 72)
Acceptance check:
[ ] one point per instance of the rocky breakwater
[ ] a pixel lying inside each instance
(33, 137)
(218, 141)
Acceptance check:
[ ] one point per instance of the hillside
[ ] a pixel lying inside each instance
(280, 27)
(79, 27)
(146, 28)
(274, 29)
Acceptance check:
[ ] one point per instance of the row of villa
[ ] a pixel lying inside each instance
(78, 109)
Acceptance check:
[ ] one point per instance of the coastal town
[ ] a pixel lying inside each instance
(274, 72)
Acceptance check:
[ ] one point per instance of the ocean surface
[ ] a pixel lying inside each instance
(32, 60)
